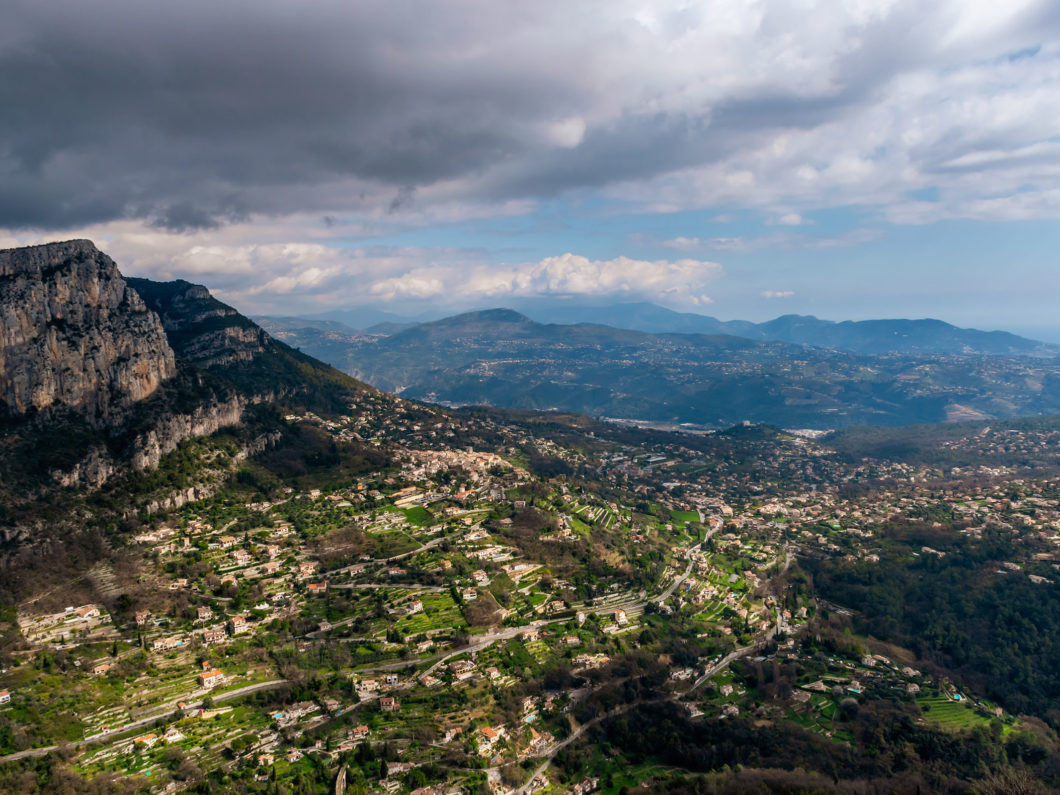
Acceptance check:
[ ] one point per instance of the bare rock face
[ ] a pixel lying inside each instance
(74, 335)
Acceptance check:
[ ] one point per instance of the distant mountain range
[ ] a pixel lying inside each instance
(503, 358)
(855, 336)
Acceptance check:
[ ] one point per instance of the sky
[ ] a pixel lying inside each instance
(738, 158)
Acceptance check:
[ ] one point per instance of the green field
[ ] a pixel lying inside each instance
(953, 715)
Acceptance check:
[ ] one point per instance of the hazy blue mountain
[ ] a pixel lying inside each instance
(861, 336)
(502, 358)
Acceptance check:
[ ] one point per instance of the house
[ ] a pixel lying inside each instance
(620, 617)
(227, 542)
(211, 679)
(214, 634)
(305, 569)
(360, 733)
(462, 666)
(480, 577)
(100, 668)
(493, 673)
(528, 635)
(142, 617)
(368, 686)
(391, 679)
(270, 567)
(388, 704)
(87, 612)
(5, 696)
(205, 614)
(415, 606)
(469, 594)
(238, 624)
(489, 737)
(166, 644)
(272, 550)
(317, 587)
(241, 557)
(146, 741)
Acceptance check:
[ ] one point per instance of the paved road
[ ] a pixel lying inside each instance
(140, 723)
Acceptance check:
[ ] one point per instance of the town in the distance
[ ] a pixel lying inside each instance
(371, 594)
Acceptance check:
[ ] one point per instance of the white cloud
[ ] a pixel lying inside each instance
(778, 293)
(681, 281)
(790, 219)
(683, 243)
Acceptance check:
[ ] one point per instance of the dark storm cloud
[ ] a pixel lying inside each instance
(190, 115)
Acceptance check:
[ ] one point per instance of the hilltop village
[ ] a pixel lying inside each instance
(457, 619)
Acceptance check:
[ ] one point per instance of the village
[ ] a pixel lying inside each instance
(455, 607)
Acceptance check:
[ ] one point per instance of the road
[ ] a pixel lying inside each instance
(148, 720)
(557, 747)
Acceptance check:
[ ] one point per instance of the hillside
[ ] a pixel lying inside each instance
(502, 358)
(883, 336)
(113, 373)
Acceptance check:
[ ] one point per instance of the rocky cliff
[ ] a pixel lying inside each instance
(100, 374)
(89, 380)
(201, 329)
(74, 336)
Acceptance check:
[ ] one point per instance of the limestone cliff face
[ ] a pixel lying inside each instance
(79, 345)
(74, 335)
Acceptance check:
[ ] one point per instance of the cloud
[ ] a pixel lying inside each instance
(683, 243)
(778, 293)
(196, 115)
(681, 281)
(790, 219)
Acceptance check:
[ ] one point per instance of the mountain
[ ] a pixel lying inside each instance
(216, 338)
(503, 358)
(100, 374)
(74, 336)
(855, 336)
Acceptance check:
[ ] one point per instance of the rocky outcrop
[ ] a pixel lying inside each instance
(172, 430)
(201, 329)
(74, 335)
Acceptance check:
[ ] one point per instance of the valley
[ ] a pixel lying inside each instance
(332, 588)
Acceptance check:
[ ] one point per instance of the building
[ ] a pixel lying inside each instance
(317, 587)
(166, 644)
(205, 614)
(214, 634)
(5, 696)
(238, 624)
(388, 704)
(88, 611)
(100, 668)
(142, 617)
(211, 679)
